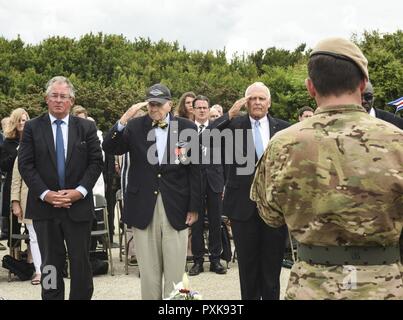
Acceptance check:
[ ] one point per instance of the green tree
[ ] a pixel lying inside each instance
(110, 72)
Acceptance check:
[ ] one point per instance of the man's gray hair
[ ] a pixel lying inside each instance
(258, 85)
(60, 79)
(218, 108)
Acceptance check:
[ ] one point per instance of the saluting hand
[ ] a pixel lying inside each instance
(234, 111)
(131, 112)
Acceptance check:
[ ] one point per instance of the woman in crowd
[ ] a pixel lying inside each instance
(185, 107)
(19, 194)
(12, 135)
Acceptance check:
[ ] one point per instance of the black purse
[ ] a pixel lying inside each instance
(22, 269)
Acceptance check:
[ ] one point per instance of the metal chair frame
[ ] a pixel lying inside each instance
(103, 231)
(15, 242)
(124, 243)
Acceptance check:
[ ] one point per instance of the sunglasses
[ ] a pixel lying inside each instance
(368, 96)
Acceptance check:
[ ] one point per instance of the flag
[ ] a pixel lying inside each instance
(398, 103)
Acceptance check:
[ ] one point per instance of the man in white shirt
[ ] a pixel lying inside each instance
(259, 248)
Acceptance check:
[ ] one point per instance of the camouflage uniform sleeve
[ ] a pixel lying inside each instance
(263, 188)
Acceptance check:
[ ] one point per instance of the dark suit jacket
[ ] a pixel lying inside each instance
(389, 117)
(213, 174)
(7, 158)
(37, 165)
(237, 204)
(178, 184)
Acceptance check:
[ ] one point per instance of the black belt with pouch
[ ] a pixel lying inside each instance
(349, 255)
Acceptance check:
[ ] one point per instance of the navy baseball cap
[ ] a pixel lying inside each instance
(158, 93)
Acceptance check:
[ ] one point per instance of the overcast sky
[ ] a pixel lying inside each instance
(238, 25)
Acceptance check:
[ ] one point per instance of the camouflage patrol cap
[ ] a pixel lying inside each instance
(341, 48)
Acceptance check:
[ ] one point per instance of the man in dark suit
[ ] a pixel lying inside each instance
(368, 100)
(60, 160)
(163, 190)
(112, 185)
(260, 248)
(212, 187)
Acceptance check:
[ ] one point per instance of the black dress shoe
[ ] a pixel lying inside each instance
(114, 245)
(3, 236)
(288, 263)
(196, 269)
(218, 268)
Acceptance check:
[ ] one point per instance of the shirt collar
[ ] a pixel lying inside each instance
(261, 120)
(339, 108)
(372, 112)
(198, 124)
(65, 119)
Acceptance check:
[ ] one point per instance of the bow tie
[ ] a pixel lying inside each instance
(159, 123)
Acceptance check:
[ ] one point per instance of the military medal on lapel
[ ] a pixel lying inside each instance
(180, 153)
(177, 151)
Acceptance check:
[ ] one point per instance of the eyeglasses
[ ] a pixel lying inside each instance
(367, 96)
(63, 97)
(202, 108)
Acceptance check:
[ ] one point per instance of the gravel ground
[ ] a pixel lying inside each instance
(127, 287)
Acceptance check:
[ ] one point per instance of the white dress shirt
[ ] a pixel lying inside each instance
(198, 124)
(264, 129)
(372, 112)
(161, 136)
(65, 132)
(65, 128)
(205, 124)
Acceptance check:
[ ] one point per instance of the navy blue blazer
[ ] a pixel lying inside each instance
(237, 204)
(179, 184)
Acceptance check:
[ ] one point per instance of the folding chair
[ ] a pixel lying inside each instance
(15, 242)
(293, 248)
(121, 230)
(226, 253)
(102, 228)
(124, 243)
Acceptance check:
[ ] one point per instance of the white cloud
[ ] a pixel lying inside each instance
(238, 25)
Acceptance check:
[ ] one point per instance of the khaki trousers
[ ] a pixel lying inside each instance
(161, 255)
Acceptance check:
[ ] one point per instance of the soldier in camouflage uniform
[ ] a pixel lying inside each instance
(336, 180)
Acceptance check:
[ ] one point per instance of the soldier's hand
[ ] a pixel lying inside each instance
(191, 218)
(131, 112)
(234, 111)
(117, 169)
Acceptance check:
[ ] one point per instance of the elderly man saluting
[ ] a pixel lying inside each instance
(163, 191)
(259, 247)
